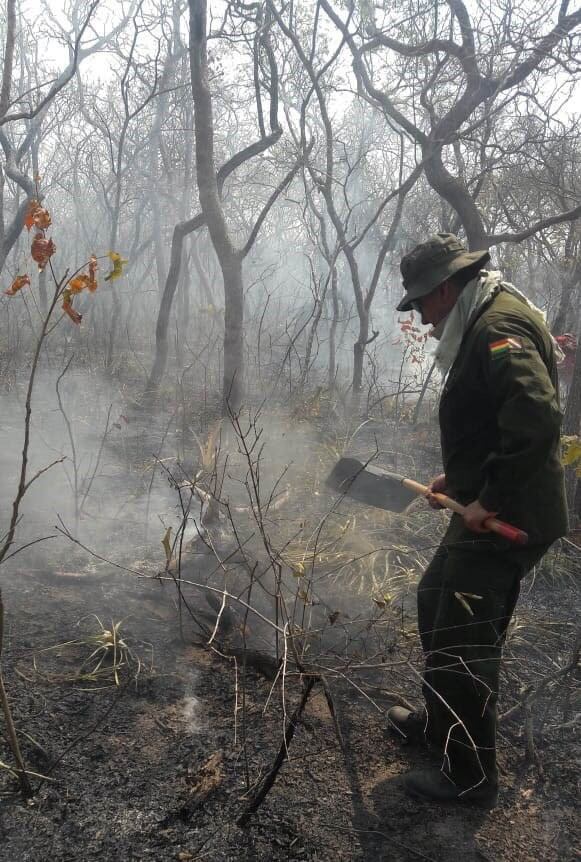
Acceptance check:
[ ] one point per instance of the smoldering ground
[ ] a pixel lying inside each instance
(343, 571)
(254, 541)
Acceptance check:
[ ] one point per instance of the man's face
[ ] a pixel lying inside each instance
(435, 306)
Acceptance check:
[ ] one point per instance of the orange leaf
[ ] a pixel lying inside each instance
(79, 283)
(74, 315)
(37, 216)
(93, 267)
(42, 219)
(42, 250)
(29, 217)
(19, 282)
(68, 307)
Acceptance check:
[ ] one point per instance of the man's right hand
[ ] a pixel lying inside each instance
(436, 486)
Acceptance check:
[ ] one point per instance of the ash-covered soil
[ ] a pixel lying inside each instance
(162, 765)
(159, 767)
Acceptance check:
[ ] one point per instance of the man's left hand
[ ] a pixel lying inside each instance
(475, 515)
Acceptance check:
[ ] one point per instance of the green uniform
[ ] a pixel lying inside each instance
(500, 426)
(500, 421)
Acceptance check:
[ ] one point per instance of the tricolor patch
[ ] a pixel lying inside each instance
(504, 346)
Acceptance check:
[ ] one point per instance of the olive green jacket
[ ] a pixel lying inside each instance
(500, 420)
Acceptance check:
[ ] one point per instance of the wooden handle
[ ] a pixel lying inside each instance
(513, 534)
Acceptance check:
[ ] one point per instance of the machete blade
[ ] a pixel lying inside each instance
(370, 485)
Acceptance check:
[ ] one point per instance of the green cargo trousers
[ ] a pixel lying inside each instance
(465, 602)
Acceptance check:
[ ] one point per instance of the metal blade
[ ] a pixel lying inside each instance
(370, 485)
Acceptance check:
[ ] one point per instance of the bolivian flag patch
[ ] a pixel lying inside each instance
(504, 346)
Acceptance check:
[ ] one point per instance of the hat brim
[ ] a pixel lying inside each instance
(437, 275)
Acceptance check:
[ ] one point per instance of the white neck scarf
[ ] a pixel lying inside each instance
(475, 295)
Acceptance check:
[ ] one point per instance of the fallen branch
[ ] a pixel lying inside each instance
(282, 755)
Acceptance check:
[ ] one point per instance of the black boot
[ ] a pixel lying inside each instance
(409, 726)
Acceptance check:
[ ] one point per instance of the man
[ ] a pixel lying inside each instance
(499, 421)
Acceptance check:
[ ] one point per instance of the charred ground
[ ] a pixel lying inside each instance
(162, 765)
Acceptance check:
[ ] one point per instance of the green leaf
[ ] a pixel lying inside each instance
(571, 451)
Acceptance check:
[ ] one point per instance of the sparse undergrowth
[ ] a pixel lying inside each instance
(185, 744)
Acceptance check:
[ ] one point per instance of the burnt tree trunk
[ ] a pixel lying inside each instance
(233, 376)
(567, 304)
(453, 190)
(359, 356)
(572, 425)
(212, 215)
(228, 257)
(181, 230)
(333, 329)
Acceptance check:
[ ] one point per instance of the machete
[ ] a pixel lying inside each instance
(376, 487)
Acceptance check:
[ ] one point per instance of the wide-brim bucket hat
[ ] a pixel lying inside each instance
(432, 262)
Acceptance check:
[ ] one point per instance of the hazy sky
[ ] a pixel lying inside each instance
(45, 17)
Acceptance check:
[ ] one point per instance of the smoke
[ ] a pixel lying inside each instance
(191, 712)
(189, 709)
(114, 489)
(102, 455)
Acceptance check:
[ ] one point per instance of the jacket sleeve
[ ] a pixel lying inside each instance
(528, 417)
